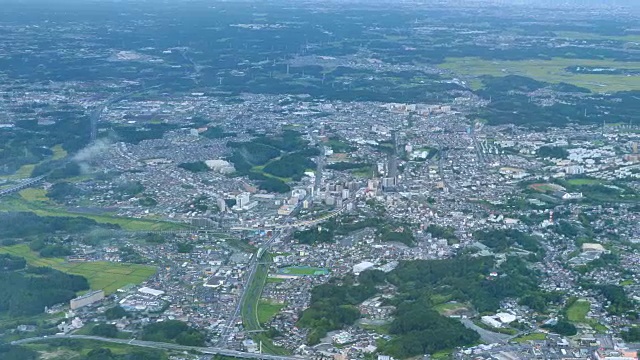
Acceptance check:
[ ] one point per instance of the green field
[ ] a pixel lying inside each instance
(577, 312)
(267, 310)
(530, 337)
(578, 182)
(34, 200)
(552, 71)
(102, 275)
(303, 271)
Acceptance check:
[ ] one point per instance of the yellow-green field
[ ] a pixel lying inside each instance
(35, 200)
(103, 275)
(552, 71)
(530, 337)
(58, 152)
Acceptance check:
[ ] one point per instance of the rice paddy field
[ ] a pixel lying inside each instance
(102, 275)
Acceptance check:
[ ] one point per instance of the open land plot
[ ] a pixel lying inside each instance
(102, 275)
(577, 312)
(267, 310)
(531, 337)
(552, 71)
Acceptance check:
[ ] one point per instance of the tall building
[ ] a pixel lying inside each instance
(86, 299)
(242, 200)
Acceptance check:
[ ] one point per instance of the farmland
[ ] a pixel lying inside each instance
(34, 200)
(102, 275)
(552, 71)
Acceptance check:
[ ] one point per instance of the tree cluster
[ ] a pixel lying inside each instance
(173, 331)
(195, 167)
(25, 224)
(419, 330)
(333, 307)
(29, 291)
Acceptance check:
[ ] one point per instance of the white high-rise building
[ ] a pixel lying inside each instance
(242, 200)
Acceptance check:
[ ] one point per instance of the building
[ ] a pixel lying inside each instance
(491, 321)
(363, 266)
(86, 299)
(242, 200)
(602, 354)
(150, 291)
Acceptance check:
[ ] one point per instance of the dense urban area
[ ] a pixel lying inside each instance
(302, 180)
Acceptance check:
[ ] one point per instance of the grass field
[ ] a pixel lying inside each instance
(577, 312)
(101, 275)
(34, 200)
(303, 271)
(552, 71)
(578, 182)
(58, 152)
(267, 310)
(530, 337)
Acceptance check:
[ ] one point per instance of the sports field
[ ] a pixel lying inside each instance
(102, 275)
(552, 71)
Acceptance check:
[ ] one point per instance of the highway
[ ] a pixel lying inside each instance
(159, 345)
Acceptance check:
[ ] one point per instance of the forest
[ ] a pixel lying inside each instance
(173, 331)
(263, 151)
(28, 290)
(25, 224)
(418, 330)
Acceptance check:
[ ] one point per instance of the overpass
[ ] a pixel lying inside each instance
(23, 185)
(163, 346)
(293, 225)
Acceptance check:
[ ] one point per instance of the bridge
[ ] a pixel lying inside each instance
(163, 346)
(23, 185)
(292, 225)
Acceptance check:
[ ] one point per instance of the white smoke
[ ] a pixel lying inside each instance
(91, 151)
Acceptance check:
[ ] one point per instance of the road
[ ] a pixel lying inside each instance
(159, 345)
(487, 336)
